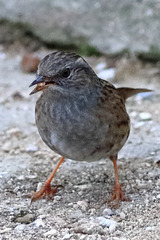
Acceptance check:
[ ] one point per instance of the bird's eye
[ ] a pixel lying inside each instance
(66, 72)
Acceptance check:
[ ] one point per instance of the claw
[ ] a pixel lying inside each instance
(45, 192)
(117, 196)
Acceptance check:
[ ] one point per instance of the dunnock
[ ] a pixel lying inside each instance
(79, 115)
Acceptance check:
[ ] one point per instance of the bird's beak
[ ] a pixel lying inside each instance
(42, 83)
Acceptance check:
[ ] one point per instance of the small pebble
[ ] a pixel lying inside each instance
(138, 124)
(158, 196)
(148, 165)
(108, 212)
(122, 215)
(149, 228)
(67, 236)
(28, 218)
(13, 131)
(38, 223)
(6, 147)
(104, 222)
(31, 176)
(29, 63)
(145, 116)
(52, 232)
(5, 230)
(152, 153)
(39, 185)
(133, 114)
(76, 215)
(17, 95)
(21, 177)
(82, 205)
(89, 228)
(31, 148)
(20, 227)
(57, 198)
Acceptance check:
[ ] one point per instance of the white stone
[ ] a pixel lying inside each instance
(31, 148)
(5, 230)
(39, 185)
(6, 147)
(144, 116)
(13, 131)
(52, 232)
(82, 204)
(67, 236)
(21, 177)
(158, 196)
(104, 222)
(20, 227)
(122, 215)
(149, 228)
(31, 176)
(138, 124)
(107, 212)
(38, 223)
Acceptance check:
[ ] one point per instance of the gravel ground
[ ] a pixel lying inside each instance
(78, 210)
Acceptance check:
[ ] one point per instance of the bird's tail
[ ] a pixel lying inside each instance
(128, 92)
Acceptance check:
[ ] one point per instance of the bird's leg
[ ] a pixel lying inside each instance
(46, 190)
(117, 193)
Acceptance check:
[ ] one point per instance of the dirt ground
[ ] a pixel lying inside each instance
(78, 210)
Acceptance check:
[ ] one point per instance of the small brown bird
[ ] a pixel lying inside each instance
(80, 116)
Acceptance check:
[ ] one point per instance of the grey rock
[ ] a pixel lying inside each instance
(89, 228)
(110, 26)
(28, 218)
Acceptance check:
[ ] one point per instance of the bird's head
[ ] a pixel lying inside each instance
(64, 69)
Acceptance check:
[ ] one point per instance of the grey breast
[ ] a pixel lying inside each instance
(70, 126)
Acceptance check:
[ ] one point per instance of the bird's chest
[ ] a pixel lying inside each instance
(70, 127)
(79, 129)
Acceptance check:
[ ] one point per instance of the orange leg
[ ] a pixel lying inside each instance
(46, 190)
(117, 192)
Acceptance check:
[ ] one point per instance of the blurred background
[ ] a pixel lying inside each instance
(112, 29)
(120, 39)
(116, 37)
(88, 26)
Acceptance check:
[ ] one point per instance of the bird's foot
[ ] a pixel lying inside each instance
(45, 192)
(117, 196)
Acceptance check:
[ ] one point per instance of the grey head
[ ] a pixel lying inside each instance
(64, 69)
